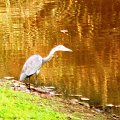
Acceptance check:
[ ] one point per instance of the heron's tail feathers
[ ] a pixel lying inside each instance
(23, 76)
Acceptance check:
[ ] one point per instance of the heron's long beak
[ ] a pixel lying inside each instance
(67, 49)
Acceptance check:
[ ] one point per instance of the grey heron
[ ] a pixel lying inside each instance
(33, 63)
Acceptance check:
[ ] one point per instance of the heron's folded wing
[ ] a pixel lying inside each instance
(32, 65)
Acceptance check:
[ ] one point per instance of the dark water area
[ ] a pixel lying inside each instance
(91, 28)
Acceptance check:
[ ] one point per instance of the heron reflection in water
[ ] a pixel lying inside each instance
(33, 63)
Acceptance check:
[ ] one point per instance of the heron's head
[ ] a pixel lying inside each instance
(62, 48)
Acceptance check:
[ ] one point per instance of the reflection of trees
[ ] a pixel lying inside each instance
(97, 31)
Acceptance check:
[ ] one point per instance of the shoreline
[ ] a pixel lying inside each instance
(68, 106)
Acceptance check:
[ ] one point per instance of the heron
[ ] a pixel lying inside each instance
(34, 63)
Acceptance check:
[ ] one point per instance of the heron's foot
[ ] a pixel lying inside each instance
(29, 88)
(27, 85)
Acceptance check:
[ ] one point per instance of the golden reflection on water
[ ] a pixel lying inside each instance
(90, 28)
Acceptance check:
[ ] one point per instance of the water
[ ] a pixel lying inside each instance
(90, 28)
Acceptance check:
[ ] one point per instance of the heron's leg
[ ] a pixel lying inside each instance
(36, 77)
(37, 73)
(29, 83)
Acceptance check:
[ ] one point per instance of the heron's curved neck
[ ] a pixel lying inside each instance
(45, 59)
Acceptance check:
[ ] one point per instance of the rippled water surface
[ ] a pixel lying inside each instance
(91, 28)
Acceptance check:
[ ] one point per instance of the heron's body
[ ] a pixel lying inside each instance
(31, 66)
(33, 63)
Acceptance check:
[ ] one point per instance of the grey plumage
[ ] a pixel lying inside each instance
(31, 66)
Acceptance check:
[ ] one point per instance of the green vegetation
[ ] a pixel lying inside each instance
(30, 106)
(23, 106)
